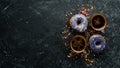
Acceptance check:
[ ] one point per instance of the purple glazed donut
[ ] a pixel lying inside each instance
(97, 42)
(79, 22)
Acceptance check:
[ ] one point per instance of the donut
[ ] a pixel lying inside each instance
(97, 42)
(79, 22)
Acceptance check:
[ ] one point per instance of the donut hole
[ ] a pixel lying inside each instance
(98, 43)
(79, 21)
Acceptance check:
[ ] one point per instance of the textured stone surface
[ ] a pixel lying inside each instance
(30, 33)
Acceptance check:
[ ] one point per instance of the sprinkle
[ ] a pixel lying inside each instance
(91, 61)
(66, 37)
(65, 43)
(71, 13)
(92, 8)
(90, 64)
(69, 56)
(64, 32)
(85, 56)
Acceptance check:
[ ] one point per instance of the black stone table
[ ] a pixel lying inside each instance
(30, 34)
